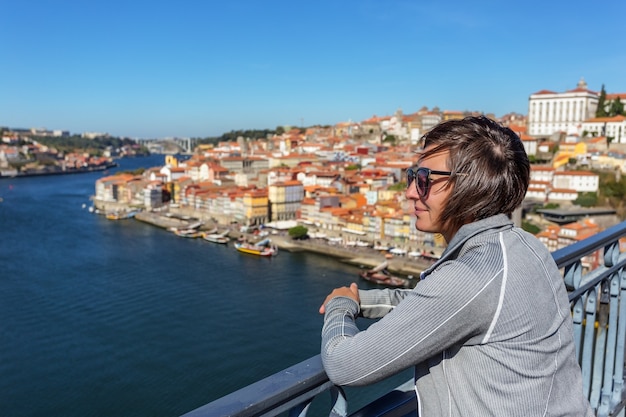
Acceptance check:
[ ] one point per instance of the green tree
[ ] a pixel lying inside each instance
(612, 192)
(616, 108)
(531, 228)
(586, 199)
(601, 110)
(399, 186)
(390, 138)
(298, 232)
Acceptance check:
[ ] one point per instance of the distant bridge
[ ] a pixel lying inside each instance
(171, 145)
(187, 144)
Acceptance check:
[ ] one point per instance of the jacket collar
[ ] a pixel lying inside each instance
(465, 233)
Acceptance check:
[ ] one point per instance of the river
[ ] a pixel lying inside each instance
(120, 318)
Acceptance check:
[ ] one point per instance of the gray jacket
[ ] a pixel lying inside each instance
(488, 330)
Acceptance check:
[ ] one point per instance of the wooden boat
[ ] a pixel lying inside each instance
(217, 237)
(256, 249)
(379, 275)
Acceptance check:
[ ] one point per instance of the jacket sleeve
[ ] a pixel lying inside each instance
(449, 307)
(377, 303)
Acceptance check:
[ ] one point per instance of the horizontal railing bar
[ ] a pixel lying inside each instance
(574, 252)
(304, 381)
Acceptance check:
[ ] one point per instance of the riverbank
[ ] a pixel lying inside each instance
(55, 170)
(363, 257)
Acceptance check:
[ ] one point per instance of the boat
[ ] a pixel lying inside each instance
(256, 249)
(381, 276)
(120, 215)
(430, 256)
(212, 231)
(189, 233)
(217, 237)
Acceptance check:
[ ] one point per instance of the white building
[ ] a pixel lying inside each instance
(536, 193)
(581, 181)
(540, 173)
(548, 184)
(562, 194)
(430, 120)
(614, 127)
(550, 112)
(530, 145)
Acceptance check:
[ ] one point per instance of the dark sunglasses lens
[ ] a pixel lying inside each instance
(410, 177)
(421, 182)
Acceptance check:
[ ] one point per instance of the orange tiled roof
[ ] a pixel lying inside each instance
(613, 96)
(578, 173)
(541, 168)
(544, 92)
(618, 118)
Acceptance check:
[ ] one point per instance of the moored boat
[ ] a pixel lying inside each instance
(381, 278)
(256, 249)
(379, 275)
(217, 237)
(120, 215)
(189, 233)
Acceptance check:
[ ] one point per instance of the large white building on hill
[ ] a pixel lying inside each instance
(550, 112)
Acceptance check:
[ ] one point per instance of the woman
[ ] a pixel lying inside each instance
(488, 327)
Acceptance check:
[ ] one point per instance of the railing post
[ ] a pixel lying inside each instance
(587, 356)
(599, 354)
(578, 316)
(340, 403)
(609, 364)
(618, 378)
(573, 274)
(300, 410)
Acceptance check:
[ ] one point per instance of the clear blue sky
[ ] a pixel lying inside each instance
(148, 69)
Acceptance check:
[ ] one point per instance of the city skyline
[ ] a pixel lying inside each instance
(195, 69)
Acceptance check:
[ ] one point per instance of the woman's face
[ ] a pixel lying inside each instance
(428, 209)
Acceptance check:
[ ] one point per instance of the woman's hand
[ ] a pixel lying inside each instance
(351, 292)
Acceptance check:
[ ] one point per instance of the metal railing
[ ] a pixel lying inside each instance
(593, 270)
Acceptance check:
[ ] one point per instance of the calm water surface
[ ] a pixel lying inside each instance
(103, 318)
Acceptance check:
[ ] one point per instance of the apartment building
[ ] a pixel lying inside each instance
(285, 199)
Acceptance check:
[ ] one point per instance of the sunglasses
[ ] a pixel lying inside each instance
(422, 179)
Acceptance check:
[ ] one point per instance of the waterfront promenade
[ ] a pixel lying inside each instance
(365, 257)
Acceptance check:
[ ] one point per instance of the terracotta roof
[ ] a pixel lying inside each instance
(544, 92)
(578, 173)
(541, 168)
(618, 118)
(581, 90)
(613, 96)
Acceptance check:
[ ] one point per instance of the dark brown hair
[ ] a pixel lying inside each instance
(493, 164)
